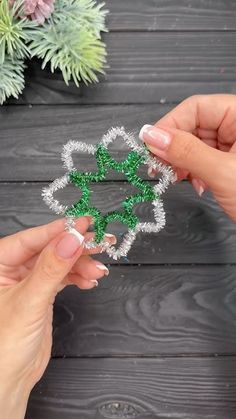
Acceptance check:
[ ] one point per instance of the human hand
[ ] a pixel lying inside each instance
(35, 265)
(198, 138)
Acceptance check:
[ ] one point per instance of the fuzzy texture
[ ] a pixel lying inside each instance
(140, 150)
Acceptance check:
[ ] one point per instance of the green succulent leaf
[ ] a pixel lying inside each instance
(11, 78)
(85, 12)
(69, 40)
(15, 31)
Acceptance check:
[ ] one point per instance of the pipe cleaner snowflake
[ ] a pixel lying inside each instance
(138, 155)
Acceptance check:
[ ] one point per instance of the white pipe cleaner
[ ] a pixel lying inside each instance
(137, 156)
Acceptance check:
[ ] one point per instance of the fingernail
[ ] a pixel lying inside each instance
(91, 220)
(175, 177)
(69, 244)
(102, 268)
(151, 173)
(198, 187)
(157, 137)
(94, 281)
(111, 238)
(201, 190)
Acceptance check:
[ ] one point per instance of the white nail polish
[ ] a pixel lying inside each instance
(76, 234)
(102, 268)
(198, 187)
(111, 237)
(94, 281)
(200, 190)
(143, 130)
(175, 178)
(151, 173)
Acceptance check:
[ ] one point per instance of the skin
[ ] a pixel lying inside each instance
(202, 148)
(31, 274)
(203, 145)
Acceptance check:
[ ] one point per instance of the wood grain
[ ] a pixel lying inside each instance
(146, 311)
(193, 388)
(197, 231)
(146, 68)
(32, 137)
(171, 15)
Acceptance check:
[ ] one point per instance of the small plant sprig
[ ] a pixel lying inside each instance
(69, 39)
(11, 78)
(15, 31)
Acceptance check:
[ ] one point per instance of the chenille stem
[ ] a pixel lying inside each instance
(129, 168)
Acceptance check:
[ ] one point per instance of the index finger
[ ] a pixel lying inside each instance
(207, 112)
(21, 246)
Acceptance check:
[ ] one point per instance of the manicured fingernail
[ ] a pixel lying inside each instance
(69, 244)
(157, 137)
(95, 282)
(102, 268)
(91, 221)
(175, 177)
(198, 187)
(111, 238)
(77, 234)
(151, 173)
(201, 190)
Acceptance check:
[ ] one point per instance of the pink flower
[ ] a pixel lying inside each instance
(37, 9)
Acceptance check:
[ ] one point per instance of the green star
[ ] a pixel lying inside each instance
(129, 168)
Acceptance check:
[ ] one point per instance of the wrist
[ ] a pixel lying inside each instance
(13, 401)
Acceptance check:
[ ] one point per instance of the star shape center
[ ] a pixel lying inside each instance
(129, 168)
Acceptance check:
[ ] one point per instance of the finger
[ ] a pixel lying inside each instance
(185, 151)
(152, 173)
(29, 264)
(210, 112)
(178, 173)
(52, 266)
(110, 238)
(82, 283)
(199, 186)
(206, 134)
(21, 246)
(90, 268)
(233, 148)
(5, 281)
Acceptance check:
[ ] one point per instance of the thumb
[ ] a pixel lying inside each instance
(53, 264)
(184, 151)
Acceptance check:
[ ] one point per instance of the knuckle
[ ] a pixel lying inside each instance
(194, 99)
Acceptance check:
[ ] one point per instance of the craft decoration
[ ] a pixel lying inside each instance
(138, 155)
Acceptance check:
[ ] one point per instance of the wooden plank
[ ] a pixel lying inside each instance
(193, 388)
(147, 68)
(197, 230)
(32, 137)
(146, 311)
(171, 15)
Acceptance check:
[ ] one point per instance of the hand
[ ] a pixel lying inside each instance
(198, 138)
(34, 265)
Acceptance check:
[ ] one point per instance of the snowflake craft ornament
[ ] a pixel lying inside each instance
(137, 156)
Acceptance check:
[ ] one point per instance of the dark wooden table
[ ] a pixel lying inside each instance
(157, 338)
